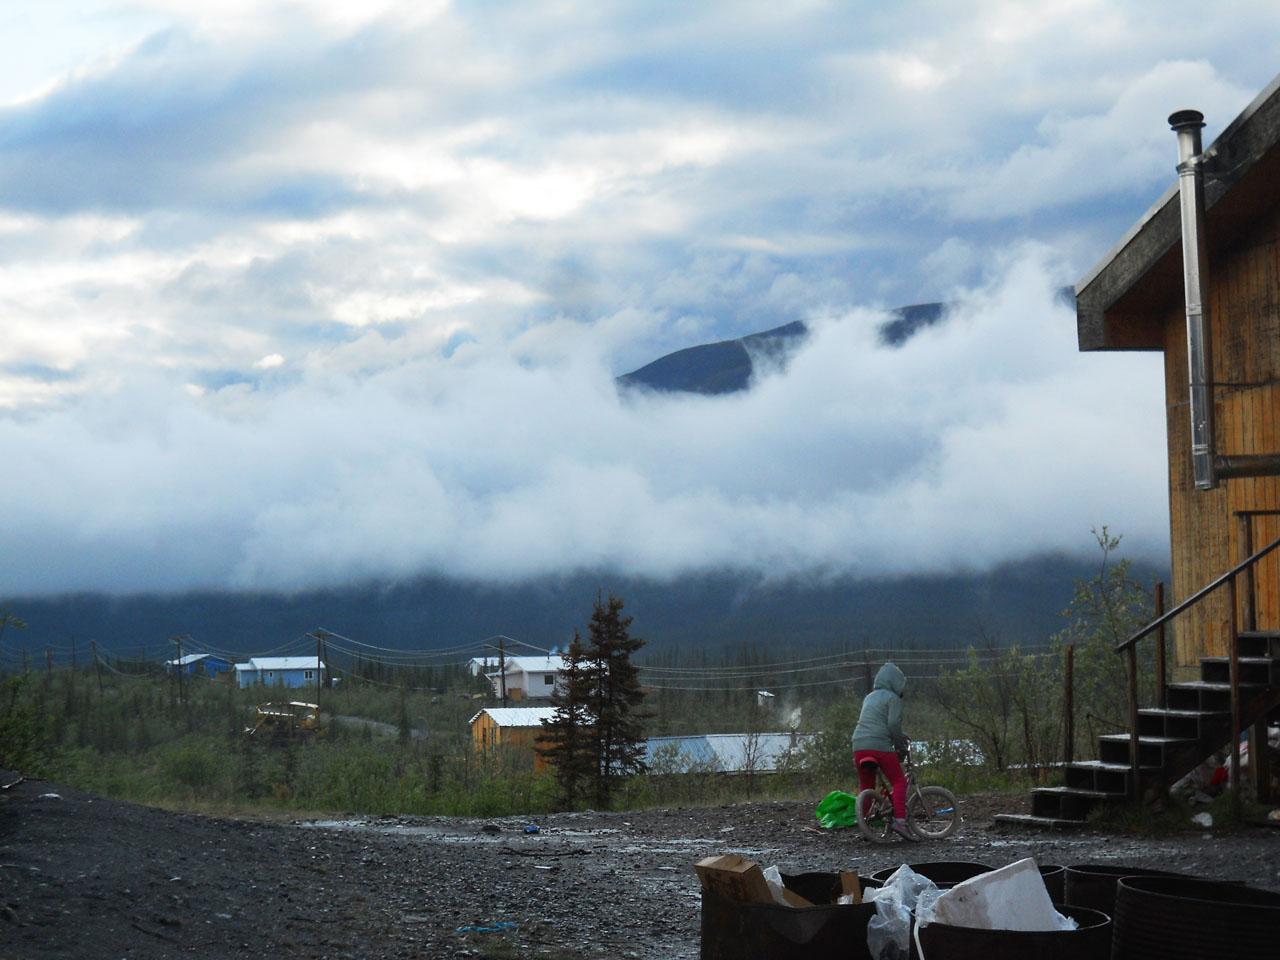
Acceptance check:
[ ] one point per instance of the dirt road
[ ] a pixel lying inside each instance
(83, 877)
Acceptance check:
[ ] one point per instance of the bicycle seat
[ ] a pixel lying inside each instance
(869, 762)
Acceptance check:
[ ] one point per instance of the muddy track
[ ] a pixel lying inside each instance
(84, 877)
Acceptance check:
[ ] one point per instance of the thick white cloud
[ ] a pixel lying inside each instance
(979, 441)
(299, 291)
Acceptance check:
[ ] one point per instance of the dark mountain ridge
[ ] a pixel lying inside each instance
(726, 366)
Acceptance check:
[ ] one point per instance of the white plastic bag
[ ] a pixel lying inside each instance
(773, 877)
(1010, 898)
(888, 931)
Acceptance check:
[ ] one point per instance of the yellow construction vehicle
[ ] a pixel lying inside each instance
(293, 720)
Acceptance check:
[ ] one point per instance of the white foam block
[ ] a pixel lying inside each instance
(1011, 898)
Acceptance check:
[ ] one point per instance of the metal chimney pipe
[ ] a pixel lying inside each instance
(1195, 274)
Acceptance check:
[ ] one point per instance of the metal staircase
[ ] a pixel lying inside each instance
(1195, 719)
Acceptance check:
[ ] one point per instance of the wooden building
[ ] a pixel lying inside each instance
(1134, 300)
(510, 728)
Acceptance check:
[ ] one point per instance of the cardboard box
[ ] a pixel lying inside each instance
(736, 878)
(850, 886)
(733, 877)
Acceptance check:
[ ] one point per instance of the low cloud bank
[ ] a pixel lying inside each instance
(983, 439)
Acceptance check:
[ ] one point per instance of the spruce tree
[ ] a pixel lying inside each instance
(565, 741)
(617, 735)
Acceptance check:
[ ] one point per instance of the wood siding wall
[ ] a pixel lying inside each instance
(1206, 534)
(489, 737)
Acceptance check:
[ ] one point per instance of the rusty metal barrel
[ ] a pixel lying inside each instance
(1090, 941)
(733, 930)
(1161, 918)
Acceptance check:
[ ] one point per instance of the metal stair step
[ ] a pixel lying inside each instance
(1196, 690)
(1115, 747)
(1252, 669)
(1166, 712)
(1069, 803)
(1099, 765)
(1040, 823)
(1188, 724)
(1078, 792)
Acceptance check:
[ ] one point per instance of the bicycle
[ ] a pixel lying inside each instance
(932, 812)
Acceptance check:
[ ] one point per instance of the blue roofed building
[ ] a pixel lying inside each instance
(722, 752)
(280, 671)
(198, 664)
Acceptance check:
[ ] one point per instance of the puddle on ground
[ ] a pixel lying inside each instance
(550, 838)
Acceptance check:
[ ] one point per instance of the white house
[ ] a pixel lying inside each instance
(285, 671)
(528, 678)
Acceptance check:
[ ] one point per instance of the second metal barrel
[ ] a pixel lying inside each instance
(944, 873)
(1093, 885)
(1158, 918)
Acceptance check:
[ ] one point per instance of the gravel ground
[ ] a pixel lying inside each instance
(84, 877)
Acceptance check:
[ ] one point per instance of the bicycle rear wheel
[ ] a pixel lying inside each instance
(933, 812)
(875, 813)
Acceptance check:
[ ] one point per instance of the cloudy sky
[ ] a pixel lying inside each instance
(303, 293)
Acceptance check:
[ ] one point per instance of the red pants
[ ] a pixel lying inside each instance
(888, 762)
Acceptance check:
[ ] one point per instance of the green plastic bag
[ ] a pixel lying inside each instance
(837, 809)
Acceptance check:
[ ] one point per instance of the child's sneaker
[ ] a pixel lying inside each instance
(903, 829)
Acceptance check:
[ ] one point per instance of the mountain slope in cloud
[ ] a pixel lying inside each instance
(1015, 602)
(727, 365)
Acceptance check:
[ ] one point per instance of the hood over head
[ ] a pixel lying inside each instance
(889, 677)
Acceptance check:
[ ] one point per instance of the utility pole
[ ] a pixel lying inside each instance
(502, 668)
(319, 644)
(97, 667)
(177, 666)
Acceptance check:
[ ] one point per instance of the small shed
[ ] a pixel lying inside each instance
(510, 727)
(280, 671)
(198, 664)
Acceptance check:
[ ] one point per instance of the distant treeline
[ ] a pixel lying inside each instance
(1020, 602)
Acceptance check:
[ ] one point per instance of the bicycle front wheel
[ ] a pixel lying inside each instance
(933, 812)
(875, 814)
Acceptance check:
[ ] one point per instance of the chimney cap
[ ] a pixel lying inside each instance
(1186, 118)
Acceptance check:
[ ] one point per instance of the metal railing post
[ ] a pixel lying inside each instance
(1162, 694)
(1249, 604)
(1234, 650)
(1135, 790)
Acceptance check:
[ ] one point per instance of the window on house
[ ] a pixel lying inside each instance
(548, 679)
(307, 674)
(270, 674)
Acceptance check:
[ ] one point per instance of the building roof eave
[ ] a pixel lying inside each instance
(1117, 301)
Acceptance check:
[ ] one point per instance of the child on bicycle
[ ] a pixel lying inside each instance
(878, 740)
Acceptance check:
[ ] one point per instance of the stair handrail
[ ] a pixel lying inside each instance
(1196, 597)
(1127, 647)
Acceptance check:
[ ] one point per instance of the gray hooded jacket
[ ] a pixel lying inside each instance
(880, 722)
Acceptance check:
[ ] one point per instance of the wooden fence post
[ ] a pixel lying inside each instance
(1069, 707)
